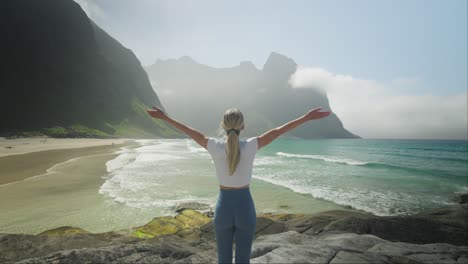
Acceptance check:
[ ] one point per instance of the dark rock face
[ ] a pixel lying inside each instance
(60, 69)
(263, 95)
(444, 225)
(463, 199)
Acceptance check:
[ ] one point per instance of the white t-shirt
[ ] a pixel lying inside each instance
(243, 173)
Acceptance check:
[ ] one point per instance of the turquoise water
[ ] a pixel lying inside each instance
(384, 177)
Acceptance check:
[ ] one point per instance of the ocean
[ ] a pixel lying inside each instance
(383, 177)
(113, 191)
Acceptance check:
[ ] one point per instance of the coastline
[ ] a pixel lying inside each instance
(29, 157)
(27, 145)
(50, 187)
(333, 236)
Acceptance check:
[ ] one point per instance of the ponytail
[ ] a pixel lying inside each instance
(233, 122)
(232, 149)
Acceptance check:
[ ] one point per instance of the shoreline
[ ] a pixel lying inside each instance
(26, 145)
(22, 172)
(36, 159)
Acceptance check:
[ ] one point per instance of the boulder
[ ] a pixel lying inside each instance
(64, 230)
(192, 205)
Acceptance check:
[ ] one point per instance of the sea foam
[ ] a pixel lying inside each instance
(324, 158)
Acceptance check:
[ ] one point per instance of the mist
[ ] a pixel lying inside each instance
(373, 109)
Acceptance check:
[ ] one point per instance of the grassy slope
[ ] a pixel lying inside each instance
(138, 124)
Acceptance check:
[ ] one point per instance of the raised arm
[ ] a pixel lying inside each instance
(193, 133)
(267, 137)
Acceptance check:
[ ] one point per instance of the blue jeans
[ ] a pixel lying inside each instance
(234, 219)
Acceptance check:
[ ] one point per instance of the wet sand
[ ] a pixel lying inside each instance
(52, 188)
(33, 144)
(30, 157)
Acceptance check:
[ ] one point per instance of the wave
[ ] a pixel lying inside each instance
(427, 157)
(440, 149)
(266, 160)
(432, 172)
(324, 158)
(142, 202)
(191, 148)
(381, 203)
(374, 165)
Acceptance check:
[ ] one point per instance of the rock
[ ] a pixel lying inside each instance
(64, 230)
(209, 213)
(315, 223)
(192, 205)
(164, 249)
(294, 247)
(428, 253)
(289, 247)
(446, 225)
(164, 225)
(461, 198)
(362, 258)
(265, 226)
(14, 247)
(292, 238)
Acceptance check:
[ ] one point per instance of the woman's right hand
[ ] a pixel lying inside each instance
(316, 114)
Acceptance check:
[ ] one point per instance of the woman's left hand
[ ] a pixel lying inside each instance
(156, 113)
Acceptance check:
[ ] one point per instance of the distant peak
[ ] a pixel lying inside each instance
(247, 64)
(186, 59)
(279, 62)
(277, 55)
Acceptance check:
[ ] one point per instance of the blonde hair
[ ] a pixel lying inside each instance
(232, 119)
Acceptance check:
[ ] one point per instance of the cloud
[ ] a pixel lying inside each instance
(373, 109)
(92, 9)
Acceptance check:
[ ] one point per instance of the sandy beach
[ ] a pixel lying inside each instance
(33, 144)
(27, 157)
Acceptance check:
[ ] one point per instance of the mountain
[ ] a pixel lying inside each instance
(199, 94)
(64, 76)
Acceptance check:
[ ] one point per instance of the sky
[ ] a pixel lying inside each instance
(404, 62)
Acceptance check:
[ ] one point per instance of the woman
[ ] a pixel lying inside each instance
(235, 217)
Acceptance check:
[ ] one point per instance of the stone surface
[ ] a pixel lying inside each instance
(192, 205)
(327, 237)
(294, 247)
(64, 230)
(186, 219)
(446, 225)
(163, 249)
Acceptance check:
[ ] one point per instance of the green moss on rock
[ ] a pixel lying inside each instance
(187, 219)
(63, 230)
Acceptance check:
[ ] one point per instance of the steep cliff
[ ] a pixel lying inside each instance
(62, 75)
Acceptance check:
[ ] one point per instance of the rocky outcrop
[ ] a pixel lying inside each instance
(444, 225)
(285, 247)
(165, 249)
(293, 247)
(327, 237)
(186, 219)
